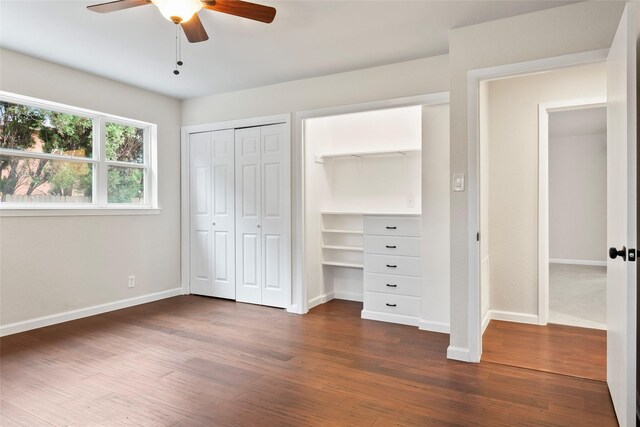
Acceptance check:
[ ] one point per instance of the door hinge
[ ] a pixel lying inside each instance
(478, 236)
(632, 255)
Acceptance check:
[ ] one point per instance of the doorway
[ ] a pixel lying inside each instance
(518, 159)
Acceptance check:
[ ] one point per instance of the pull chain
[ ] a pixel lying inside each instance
(178, 51)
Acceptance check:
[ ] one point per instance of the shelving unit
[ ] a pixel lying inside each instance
(342, 240)
(374, 153)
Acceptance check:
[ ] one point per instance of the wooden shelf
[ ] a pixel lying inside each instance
(376, 153)
(344, 248)
(329, 230)
(342, 264)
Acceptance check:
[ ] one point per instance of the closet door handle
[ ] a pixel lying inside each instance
(391, 305)
(391, 246)
(392, 266)
(392, 286)
(391, 227)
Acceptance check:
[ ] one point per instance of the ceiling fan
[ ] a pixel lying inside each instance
(185, 12)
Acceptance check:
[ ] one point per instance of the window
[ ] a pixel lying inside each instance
(59, 156)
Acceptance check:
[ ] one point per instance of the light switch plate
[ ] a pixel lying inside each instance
(458, 182)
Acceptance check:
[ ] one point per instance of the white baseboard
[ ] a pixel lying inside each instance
(458, 353)
(485, 320)
(349, 296)
(321, 299)
(389, 317)
(40, 322)
(578, 262)
(510, 316)
(293, 308)
(426, 325)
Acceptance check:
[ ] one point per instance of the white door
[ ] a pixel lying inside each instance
(276, 215)
(621, 218)
(223, 217)
(248, 216)
(200, 214)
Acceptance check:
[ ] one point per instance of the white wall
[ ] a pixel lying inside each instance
(559, 31)
(51, 265)
(513, 155)
(435, 308)
(578, 198)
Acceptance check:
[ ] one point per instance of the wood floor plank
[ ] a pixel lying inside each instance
(195, 361)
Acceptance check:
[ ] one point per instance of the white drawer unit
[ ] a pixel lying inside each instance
(392, 268)
(393, 245)
(393, 225)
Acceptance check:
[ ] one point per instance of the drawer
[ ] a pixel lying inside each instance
(389, 284)
(393, 245)
(389, 264)
(389, 303)
(393, 225)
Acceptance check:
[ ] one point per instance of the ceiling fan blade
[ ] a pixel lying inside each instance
(113, 6)
(194, 30)
(244, 9)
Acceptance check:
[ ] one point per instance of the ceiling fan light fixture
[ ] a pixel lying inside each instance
(178, 11)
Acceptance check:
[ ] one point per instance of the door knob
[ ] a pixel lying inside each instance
(258, 225)
(614, 253)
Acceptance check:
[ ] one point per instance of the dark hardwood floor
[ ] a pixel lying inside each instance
(195, 361)
(566, 350)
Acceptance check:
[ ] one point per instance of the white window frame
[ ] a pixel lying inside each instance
(99, 162)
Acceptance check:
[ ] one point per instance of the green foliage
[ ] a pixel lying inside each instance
(63, 133)
(125, 185)
(124, 143)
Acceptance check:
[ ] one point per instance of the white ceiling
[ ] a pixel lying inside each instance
(307, 39)
(586, 121)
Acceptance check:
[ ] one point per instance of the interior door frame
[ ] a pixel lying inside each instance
(473, 352)
(543, 191)
(299, 274)
(185, 132)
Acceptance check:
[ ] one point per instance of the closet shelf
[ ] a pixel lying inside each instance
(342, 264)
(344, 248)
(329, 230)
(376, 153)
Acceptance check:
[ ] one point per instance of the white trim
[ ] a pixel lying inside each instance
(321, 299)
(427, 325)
(184, 185)
(578, 262)
(511, 316)
(486, 319)
(473, 82)
(543, 191)
(458, 353)
(390, 317)
(298, 148)
(40, 322)
(348, 296)
(76, 210)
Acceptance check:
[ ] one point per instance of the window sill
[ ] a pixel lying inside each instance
(75, 211)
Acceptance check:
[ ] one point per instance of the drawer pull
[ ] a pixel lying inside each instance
(392, 266)
(391, 227)
(391, 246)
(392, 286)
(391, 305)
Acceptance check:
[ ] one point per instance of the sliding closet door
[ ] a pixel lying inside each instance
(276, 215)
(200, 214)
(248, 216)
(223, 214)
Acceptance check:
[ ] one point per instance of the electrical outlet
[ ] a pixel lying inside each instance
(132, 281)
(411, 202)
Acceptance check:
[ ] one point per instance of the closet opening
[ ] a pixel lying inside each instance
(363, 207)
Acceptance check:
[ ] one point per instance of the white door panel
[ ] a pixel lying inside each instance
(248, 232)
(621, 217)
(276, 215)
(223, 214)
(200, 214)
